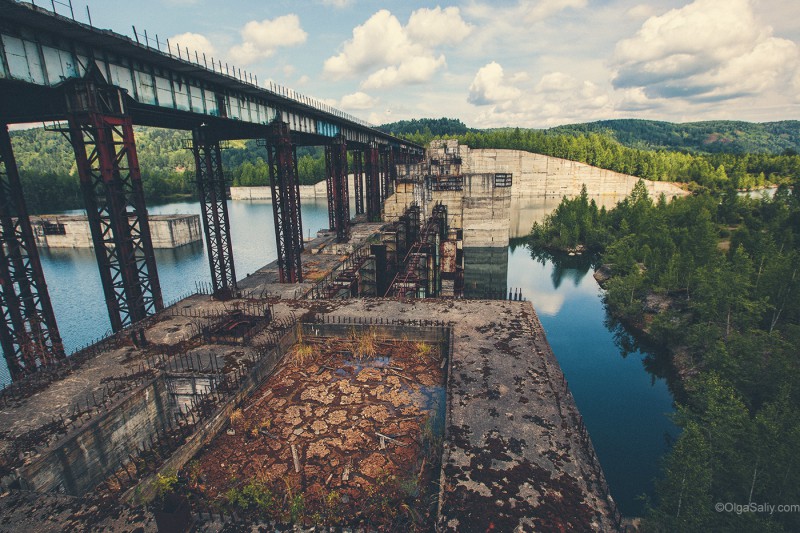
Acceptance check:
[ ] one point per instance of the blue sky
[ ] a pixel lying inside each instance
(527, 63)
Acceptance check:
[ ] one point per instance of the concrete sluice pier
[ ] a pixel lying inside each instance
(82, 446)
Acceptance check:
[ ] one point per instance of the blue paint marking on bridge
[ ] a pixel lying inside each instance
(93, 85)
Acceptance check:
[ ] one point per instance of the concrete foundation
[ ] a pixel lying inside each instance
(307, 192)
(72, 231)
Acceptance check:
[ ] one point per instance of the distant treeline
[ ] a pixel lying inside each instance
(715, 136)
(50, 180)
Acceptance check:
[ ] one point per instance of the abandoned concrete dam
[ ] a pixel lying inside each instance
(364, 380)
(378, 380)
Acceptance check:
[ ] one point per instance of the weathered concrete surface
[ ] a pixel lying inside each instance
(481, 209)
(541, 175)
(515, 456)
(317, 191)
(167, 231)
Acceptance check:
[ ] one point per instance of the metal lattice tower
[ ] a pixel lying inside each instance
(373, 185)
(358, 181)
(338, 194)
(212, 186)
(28, 333)
(102, 138)
(285, 203)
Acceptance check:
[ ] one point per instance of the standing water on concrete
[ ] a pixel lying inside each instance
(623, 406)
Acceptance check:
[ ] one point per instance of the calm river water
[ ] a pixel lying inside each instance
(624, 406)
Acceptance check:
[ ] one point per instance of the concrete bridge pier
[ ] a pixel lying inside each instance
(212, 186)
(28, 332)
(373, 185)
(285, 202)
(338, 195)
(101, 133)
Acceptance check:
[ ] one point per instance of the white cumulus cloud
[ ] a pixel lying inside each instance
(434, 27)
(195, 42)
(358, 101)
(708, 50)
(533, 11)
(555, 98)
(260, 39)
(392, 54)
(490, 86)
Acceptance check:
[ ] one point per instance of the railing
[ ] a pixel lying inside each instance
(175, 51)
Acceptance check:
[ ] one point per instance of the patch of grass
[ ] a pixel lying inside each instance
(422, 350)
(366, 345)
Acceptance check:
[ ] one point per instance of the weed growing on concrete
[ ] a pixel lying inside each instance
(302, 352)
(366, 345)
(422, 350)
(165, 483)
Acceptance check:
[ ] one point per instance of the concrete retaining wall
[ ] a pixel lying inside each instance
(100, 446)
(318, 191)
(72, 231)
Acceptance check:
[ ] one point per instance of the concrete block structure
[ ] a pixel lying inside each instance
(72, 231)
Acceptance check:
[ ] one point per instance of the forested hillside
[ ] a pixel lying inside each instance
(700, 137)
(50, 180)
(713, 171)
(713, 279)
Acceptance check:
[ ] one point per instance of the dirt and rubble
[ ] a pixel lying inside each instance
(347, 431)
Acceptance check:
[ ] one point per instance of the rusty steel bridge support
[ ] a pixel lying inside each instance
(28, 333)
(285, 202)
(387, 174)
(338, 195)
(101, 134)
(373, 184)
(358, 181)
(212, 186)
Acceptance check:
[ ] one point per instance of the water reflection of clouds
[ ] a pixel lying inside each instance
(543, 285)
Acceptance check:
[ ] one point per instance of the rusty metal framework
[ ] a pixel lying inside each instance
(358, 181)
(338, 194)
(212, 186)
(373, 185)
(28, 333)
(102, 138)
(384, 173)
(285, 202)
(419, 273)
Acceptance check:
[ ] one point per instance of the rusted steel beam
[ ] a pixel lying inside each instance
(212, 186)
(102, 138)
(358, 181)
(28, 332)
(338, 194)
(373, 186)
(285, 202)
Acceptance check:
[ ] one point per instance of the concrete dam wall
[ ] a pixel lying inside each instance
(541, 175)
